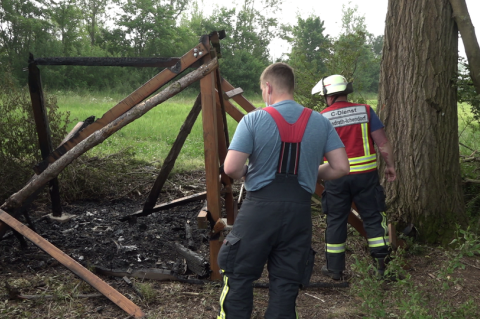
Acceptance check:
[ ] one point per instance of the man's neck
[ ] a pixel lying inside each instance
(280, 98)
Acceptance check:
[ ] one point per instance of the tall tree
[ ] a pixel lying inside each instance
(308, 56)
(467, 31)
(417, 104)
(94, 14)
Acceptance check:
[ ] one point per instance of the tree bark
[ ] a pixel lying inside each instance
(417, 104)
(467, 31)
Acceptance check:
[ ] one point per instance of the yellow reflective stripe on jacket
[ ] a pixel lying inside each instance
(225, 290)
(378, 242)
(361, 168)
(362, 159)
(366, 145)
(335, 248)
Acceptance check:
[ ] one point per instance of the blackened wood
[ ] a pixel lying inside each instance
(168, 205)
(98, 137)
(195, 262)
(189, 236)
(43, 130)
(95, 61)
(169, 161)
(119, 299)
(123, 106)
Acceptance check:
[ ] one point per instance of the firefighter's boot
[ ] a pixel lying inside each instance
(380, 266)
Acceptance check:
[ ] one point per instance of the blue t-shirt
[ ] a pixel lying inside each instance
(257, 134)
(375, 123)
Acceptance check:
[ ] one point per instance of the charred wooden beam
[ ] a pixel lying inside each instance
(169, 162)
(98, 137)
(107, 61)
(104, 288)
(168, 205)
(125, 105)
(43, 129)
(195, 262)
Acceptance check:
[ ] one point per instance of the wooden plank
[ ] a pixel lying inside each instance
(232, 93)
(169, 161)
(97, 283)
(240, 99)
(126, 104)
(167, 205)
(202, 220)
(353, 220)
(231, 109)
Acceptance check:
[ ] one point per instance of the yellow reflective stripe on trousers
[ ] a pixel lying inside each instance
(361, 168)
(385, 227)
(335, 248)
(222, 314)
(378, 241)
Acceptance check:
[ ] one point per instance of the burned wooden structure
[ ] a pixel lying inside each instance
(215, 103)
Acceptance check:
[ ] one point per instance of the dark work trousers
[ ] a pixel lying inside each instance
(369, 197)
(274, 224)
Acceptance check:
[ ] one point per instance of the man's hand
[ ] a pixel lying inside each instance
(390, 174)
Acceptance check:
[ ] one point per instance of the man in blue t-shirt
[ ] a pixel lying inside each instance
(285, 144)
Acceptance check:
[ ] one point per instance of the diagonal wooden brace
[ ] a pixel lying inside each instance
(97, 283)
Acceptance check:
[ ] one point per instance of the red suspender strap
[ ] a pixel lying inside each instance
(291, 136)
(290, 133)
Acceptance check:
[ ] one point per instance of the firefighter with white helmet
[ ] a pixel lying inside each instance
(359, 129)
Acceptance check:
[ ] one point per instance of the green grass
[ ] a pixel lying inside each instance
(152, 135)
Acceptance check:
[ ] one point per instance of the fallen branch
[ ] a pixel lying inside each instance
(468, 264)
(315, 297)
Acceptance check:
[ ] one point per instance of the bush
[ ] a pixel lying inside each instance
(19, 148)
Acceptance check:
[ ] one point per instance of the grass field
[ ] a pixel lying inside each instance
(150, 136)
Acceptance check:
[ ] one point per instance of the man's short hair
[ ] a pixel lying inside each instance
(280, 75)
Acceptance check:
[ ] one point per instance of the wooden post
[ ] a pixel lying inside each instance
(97, 283)
(43, 129)
(169, 161)
(210, 138)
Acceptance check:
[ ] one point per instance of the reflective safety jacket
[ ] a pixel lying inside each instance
(352, 123)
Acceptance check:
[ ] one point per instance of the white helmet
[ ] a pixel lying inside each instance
(333, 85)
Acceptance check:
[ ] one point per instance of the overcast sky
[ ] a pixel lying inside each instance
(330, 12)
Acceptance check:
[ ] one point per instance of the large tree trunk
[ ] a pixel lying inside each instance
(469, 38)
(417, 104)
